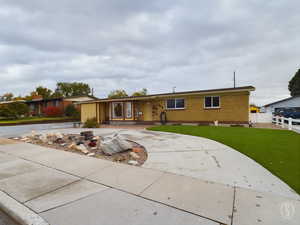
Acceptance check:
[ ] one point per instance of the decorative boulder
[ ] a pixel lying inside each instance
(115, 144)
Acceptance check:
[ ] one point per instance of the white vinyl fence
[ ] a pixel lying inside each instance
(289, 123)
(261, 117)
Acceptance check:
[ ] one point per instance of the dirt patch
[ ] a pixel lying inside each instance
(4, 141)
(90, 147)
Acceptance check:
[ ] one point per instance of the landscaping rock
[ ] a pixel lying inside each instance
(113, 147)
(92, 143)
(25, 139)
(44, 138)
(96, 138)
(79, 143)
(59, 135)
(115, 144)
(133, 162)
(88, 135)
(82, 148)
(72, 138)
(134, 155)
(72, 146)
(33, 133)
(59, 141)
(137, 149)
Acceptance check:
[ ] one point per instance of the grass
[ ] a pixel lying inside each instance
(276, 150)
(33, 120)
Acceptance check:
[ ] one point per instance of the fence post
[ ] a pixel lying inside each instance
(290, 123)
(276, 119)
(282, 121)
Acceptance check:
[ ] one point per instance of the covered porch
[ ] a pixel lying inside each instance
(127, 112)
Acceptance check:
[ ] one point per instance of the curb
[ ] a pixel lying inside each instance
(38, 122)
(18, 212)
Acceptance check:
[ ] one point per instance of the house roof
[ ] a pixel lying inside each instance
(61, 98)
(174, 94)
(282, 100)
(8, 102)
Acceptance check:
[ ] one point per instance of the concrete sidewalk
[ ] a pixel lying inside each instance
(70, 189)
(200, 158)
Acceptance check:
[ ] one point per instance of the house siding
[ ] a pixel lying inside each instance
(234, 107)
(290, 103)
(88, 111)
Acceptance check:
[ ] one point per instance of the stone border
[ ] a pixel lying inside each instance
(18, 212)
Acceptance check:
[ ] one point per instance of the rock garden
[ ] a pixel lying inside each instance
(113, 147)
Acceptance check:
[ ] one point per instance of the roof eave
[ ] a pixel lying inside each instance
(249, 88)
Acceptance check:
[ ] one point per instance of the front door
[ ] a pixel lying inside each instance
(122, 111)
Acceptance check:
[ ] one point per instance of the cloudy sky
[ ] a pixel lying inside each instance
(155, 44)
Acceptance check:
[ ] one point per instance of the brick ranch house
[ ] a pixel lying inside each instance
(227, 106)
(38, 104)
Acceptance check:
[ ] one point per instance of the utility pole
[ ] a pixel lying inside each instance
(233, 79)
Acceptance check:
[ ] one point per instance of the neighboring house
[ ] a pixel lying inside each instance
(8, 102)
(254, 109)
(38, 104)
(229, 105)
(284, 104)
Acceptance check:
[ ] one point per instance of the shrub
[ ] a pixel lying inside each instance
(91, 123)
(72, 111)
(14, 110)
(52, 111)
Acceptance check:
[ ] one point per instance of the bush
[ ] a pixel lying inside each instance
(14, 110)
(91, 123)
(72, 111)
(52, 111)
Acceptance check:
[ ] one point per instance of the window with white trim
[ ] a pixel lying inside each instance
(212, 102)
(176, 103)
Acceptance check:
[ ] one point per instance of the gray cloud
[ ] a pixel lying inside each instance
(154, 44)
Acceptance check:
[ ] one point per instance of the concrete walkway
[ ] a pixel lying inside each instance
(70, 189)
(201, 158)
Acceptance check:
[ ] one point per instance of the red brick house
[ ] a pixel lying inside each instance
(37, 105)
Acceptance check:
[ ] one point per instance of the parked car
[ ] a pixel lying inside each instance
(287, 113)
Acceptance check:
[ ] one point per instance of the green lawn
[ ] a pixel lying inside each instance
(33, 120)
(276, 150)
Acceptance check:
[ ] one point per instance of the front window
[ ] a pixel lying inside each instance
(212, 102)
(177, 103)
(117, 108)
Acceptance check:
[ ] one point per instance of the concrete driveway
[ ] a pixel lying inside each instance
(200, 158)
